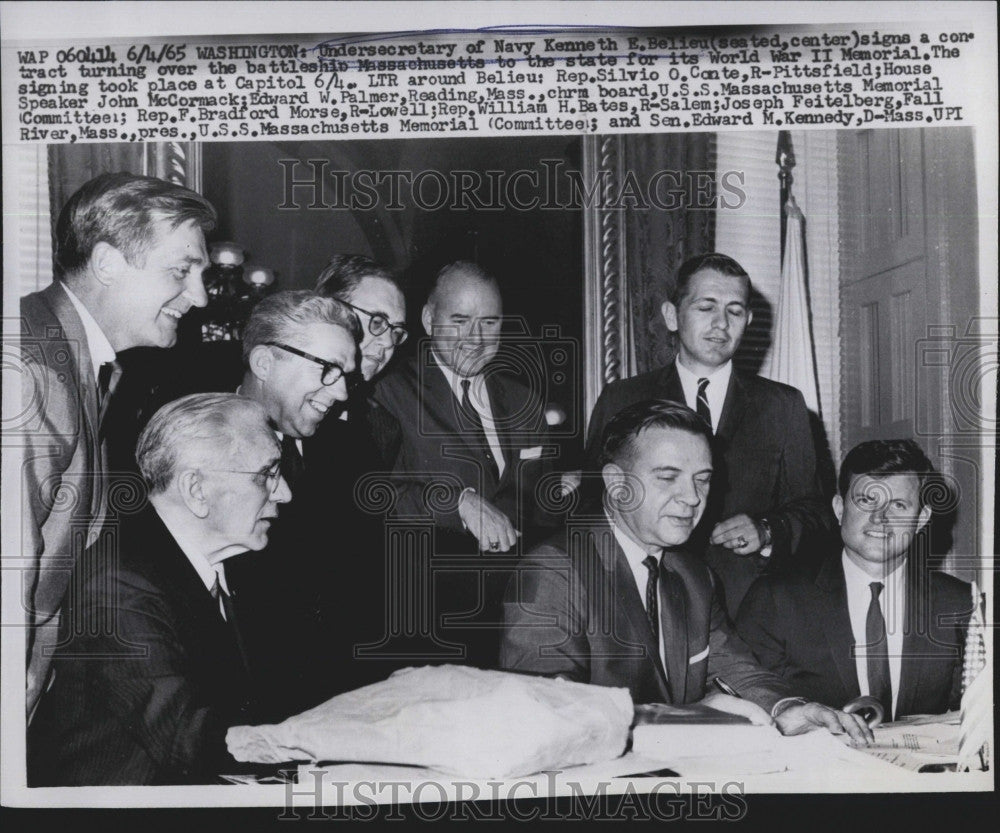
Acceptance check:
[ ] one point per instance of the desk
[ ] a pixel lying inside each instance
(816, 762)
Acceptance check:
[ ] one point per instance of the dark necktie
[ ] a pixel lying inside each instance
(291, 460)
(229, 614)
(652, 563)
(879, 682)
(703, 410)
(107, 380)
(472, 417)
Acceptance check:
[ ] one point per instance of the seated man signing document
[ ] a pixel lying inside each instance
(619, 602)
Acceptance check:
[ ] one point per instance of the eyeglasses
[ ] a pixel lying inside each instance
(332, 372)
(378, 324)
(270, 476)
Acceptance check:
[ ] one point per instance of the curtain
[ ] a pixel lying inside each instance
(657, 240)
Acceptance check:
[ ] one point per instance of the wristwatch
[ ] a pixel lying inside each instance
(764, 528)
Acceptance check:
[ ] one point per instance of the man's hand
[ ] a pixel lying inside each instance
(734, 705)
(804, 717)
(492, 528)
(739, 534)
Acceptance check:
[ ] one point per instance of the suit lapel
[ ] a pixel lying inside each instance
(734, 407)
(839, 636)
(500, 408)
(670, 384)
(86, 390)
(627, 601)
(73, 332)
(916, 646)
(182, 581)
(439, 396)
(674, 622)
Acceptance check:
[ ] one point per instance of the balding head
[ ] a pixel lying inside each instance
(462, 316)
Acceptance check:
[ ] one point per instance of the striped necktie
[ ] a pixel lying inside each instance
(703, 410)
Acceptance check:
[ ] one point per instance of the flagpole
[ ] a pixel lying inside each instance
(785, 160)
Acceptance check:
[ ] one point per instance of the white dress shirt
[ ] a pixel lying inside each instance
(635, 555)
(101, 351)
(893, 602)
(479, 398)
(718, 384)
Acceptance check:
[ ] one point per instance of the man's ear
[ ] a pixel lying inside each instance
(613, 476)
(669, 313)
(838, 507)
(923, 517)
(427, 318)
(107, 263)
(191, 486)
(260, 361)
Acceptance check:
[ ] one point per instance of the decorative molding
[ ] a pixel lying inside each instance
(606, 301)
(177, 162)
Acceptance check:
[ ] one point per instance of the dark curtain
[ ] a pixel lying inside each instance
(70, 166)
(658, 240)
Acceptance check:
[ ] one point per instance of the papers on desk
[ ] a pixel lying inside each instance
(669, 733)
(917, 741)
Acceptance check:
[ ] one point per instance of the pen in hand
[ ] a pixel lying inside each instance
(725, 688)
(753, 713)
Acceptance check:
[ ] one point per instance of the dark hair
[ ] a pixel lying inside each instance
(122, 209)
(462, 267)
(623, 428)
(881, 458)
(712, 260)
(341, 276)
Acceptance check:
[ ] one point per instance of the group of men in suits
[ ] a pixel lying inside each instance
(709, 484)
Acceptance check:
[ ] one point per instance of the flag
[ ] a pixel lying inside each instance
(792, 357)
(975, 726)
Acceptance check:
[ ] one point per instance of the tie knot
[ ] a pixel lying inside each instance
(702, 385)
(876, 587)
(465, 386)
(651, 563)
(216, 587)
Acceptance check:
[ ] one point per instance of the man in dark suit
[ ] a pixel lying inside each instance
(151, 670)
(130, 251)
(465, 423)
(875, 620)
(619, 602)
(766, 498)
(472, 449)
(299, 349)
(347, 438)
(353, 445)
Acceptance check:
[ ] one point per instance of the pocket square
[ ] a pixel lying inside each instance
(699, 657)
(532, 453)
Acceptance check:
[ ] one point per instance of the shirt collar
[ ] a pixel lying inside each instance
(187, 543)
(858, 581)
(101, 351)
(718, 377)
(455, 381)
(634, 553)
